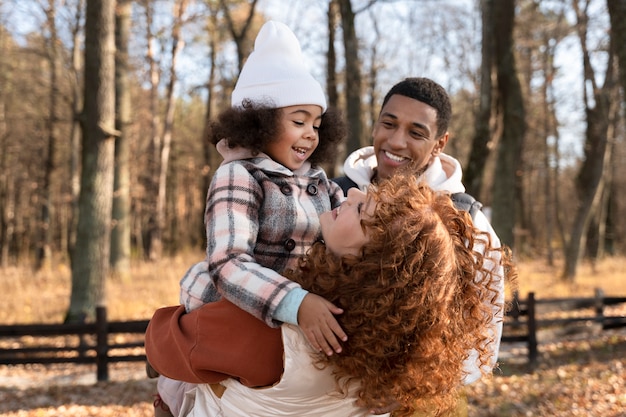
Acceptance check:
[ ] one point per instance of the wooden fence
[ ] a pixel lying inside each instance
(528, 315)
(96, 343)
(91, 343)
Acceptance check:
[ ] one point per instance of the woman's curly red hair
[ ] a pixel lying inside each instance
(416, 301)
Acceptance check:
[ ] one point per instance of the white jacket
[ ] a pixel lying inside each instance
(443, 174)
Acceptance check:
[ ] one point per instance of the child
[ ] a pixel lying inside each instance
(264, 200)
(403, 262)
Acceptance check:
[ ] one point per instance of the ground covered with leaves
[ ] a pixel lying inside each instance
(581, 374)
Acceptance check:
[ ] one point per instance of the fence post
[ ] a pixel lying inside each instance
(102, 344)
(532, 330)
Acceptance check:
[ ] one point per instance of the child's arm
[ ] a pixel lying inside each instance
(235, 205)
(197, 288)
(319, 325)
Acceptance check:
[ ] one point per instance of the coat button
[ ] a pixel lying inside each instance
(290, 244)
(312, 189)
(285, 189)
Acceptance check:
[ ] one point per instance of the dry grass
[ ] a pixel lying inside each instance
(537, 276)
(43, 297)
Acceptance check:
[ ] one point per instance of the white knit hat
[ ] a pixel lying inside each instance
(275, 72)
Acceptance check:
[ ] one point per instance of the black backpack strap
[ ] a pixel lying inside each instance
(464, 201)
(345, 183)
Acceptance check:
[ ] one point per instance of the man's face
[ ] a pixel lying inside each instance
(405, 133)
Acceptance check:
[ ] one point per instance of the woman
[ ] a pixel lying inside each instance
(400, 261)
(264, 201)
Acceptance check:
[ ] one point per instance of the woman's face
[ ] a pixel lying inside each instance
(341, 228)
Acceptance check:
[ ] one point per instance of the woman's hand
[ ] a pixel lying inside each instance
(317, 321)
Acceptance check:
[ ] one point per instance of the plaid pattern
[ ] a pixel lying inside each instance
(260, 218)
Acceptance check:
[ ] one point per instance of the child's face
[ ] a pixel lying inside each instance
(341, 228)
(299, 136)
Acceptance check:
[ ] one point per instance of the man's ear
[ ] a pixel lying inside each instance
(441, 144)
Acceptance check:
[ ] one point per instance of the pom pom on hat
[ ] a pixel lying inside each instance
(275, 72)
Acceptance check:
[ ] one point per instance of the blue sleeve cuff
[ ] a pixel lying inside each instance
(287, 310)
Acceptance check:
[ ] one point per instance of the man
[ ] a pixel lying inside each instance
(410, 134)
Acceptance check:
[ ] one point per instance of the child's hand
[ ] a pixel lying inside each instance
(317, 321)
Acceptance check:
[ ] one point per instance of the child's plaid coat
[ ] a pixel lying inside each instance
(260, 218)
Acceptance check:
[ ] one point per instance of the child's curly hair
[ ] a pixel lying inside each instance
(416, 301)
(255, 125)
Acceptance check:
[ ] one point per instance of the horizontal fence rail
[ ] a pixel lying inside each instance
(99, 342)
(92, 343)
(527, 316)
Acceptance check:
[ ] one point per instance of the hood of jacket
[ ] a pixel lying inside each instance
(443, 174)
(237, 153)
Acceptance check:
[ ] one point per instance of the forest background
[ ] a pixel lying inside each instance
(103, 107)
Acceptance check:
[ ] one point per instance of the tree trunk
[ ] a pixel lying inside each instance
(548, 132)
(597, 232)
(352, 76)
(331, 83)
(7, 195)
(556, 196)
(44, 251)
(473, 173)
(590, 178)
(75, 132)
(551, 38)
(331, 57)
(152, 241)
(372, 86)
(613, 218)
(241, 38)
(120, 232)
(211, 156)
(617, 12)
(90, 265)
(7, 180)
(168, 125)
(507, 182)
